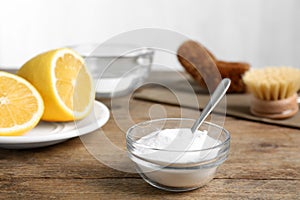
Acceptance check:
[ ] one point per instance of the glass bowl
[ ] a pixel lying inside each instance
(170, 169)
(117, 69)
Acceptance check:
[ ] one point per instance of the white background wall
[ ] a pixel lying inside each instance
(262, 32)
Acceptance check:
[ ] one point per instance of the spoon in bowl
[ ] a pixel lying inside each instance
(217, 95)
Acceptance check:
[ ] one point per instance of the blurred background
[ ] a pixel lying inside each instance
(260, 32)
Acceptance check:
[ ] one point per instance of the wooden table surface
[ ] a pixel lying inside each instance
(264, 163)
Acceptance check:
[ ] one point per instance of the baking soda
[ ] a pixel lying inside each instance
(170, 148)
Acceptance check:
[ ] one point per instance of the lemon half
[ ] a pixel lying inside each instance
(21, 106)
(64, 83)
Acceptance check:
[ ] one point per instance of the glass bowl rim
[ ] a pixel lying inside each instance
(130, 142)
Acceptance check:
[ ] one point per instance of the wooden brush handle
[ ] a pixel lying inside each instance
(199, 63)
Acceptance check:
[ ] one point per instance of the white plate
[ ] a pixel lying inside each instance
(49, 133)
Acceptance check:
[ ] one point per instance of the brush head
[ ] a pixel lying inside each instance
(273, 83)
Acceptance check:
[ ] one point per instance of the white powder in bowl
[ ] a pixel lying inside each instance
(178, 149)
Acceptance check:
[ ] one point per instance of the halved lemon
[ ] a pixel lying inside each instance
(21, 105)
(64, 83)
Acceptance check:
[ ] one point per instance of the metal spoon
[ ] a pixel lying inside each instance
(214, 100)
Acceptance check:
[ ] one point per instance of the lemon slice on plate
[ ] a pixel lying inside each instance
(21, 105)
(64, 83)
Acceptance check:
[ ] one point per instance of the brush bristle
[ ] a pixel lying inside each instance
(273, 83)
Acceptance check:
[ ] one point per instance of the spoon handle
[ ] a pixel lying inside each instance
(214, 100)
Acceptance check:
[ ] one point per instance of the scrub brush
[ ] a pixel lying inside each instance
(274, 90)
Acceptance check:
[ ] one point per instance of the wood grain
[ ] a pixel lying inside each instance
(130, 188)
(264, 163)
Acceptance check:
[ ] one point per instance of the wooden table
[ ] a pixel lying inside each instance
(264, 163)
